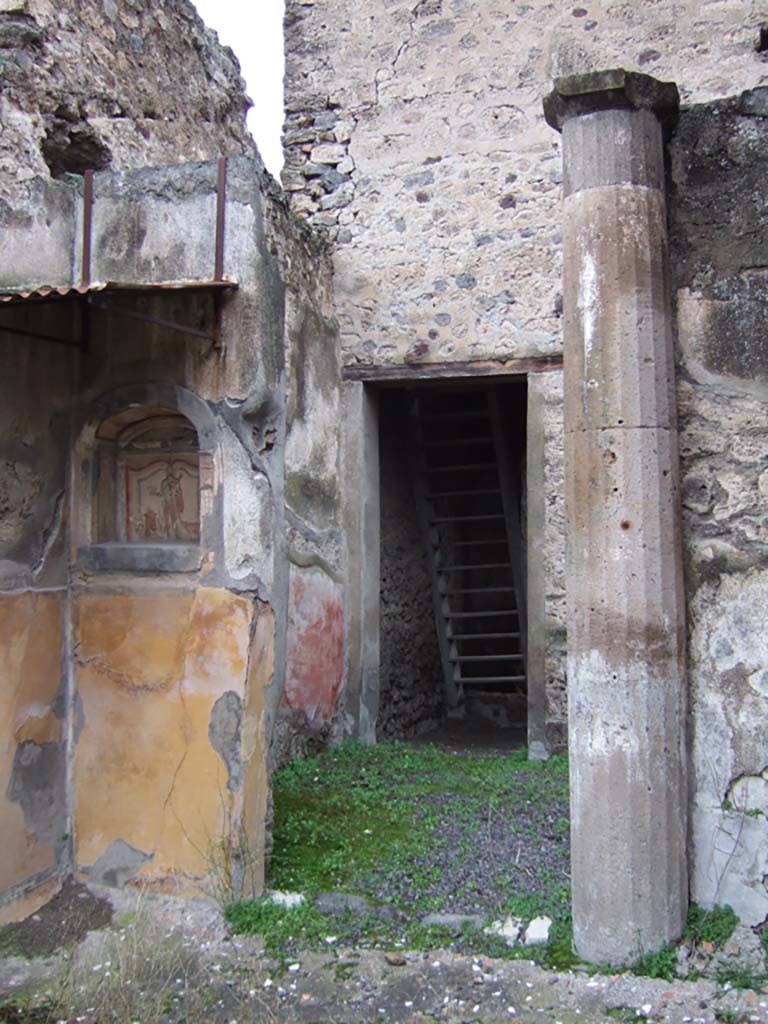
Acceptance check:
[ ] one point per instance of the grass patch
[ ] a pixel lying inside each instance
(370, 821)
(280, 927)
(356, 812)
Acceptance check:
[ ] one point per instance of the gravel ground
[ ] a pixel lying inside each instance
(482, 855)
(486, 851)
(235, 983)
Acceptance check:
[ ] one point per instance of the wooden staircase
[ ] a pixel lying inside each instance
(468, 503)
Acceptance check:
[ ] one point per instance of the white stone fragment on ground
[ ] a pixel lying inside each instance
(286, 899)
(537, 932)
(509, 929)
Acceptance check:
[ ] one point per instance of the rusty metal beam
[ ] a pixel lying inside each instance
(218, 263)
(132, 314)
(221, 205)
(399, 372)
(85, 275)
(40, 335)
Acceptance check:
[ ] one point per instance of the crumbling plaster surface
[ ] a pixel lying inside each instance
(729, 695)
(428, 161)
(309, 717)
(719, 261)
(32, 459)
(312, 449)
(415, 139)
(32, 747)
(157, 767)
(38, 226)
(95, 85)
(180, 675)
(33, 556)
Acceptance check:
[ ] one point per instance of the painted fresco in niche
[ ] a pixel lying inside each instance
(149, 477)
(159, 463)
(162, 498)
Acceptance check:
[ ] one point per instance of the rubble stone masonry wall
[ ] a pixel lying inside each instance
(415, 138)
(411, 674)
(116, 84)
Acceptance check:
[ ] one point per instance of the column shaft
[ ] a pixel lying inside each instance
(625, 598)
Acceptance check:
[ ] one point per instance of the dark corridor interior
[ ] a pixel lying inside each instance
(453, 561)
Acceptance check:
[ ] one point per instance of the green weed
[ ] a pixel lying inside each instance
(20, 1012)
(625, 1014)
(661, 964)
(730, 1017)
(715, 926)
(739, 977)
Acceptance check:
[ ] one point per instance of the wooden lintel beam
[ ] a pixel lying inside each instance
(397, 372)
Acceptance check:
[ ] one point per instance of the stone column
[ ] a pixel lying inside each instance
(624, 589)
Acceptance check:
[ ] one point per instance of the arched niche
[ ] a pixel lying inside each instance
(143, 482)
(148, 478)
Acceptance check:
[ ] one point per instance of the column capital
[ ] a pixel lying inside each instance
(615, 89)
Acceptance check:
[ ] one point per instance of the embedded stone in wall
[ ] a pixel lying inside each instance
(315, 655)
(722, 445)
(720, 242)
(719, 255)
(445, 208)
(723, 337)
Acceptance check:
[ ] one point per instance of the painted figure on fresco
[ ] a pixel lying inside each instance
(162, 499)
(172, 498)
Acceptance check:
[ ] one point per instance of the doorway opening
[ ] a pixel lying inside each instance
(453, 625)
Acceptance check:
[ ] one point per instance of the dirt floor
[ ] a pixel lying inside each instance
(59, 925)
(173, 961)
(94, 955)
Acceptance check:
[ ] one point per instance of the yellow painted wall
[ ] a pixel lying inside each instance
(31, 635)
(255, 779)
(150, 666)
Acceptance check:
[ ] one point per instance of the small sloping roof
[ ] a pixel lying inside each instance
(48, 294)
